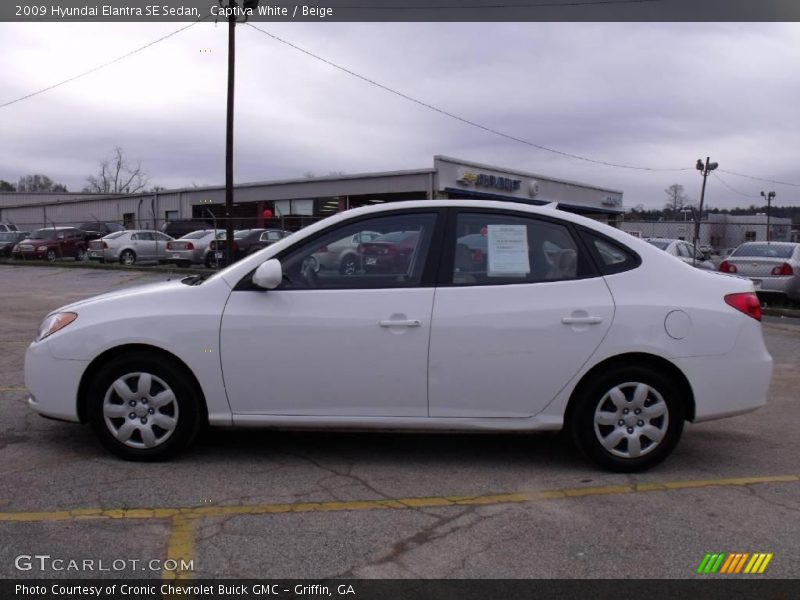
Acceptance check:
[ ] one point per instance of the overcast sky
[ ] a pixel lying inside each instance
(650, 95)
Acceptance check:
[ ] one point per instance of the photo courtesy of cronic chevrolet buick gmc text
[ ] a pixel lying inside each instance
(554, 322)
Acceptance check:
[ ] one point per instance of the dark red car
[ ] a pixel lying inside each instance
(390, 253)
(52, 243)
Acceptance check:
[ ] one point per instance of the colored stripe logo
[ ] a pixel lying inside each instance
(734, 563)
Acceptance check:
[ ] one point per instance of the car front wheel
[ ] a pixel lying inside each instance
(142, 408)
(627, 419)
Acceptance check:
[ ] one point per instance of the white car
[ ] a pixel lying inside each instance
(562, 323)
(683, 251)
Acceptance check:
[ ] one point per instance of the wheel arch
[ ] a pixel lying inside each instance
(652, 361)
(101, 359)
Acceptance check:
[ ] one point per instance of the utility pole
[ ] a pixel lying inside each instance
(232, 13)
(704, 171)
(769, 198)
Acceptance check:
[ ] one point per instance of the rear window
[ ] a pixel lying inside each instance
(195, 235)
(610, 255)
(764, 251)
(660, 244)
(115, 235)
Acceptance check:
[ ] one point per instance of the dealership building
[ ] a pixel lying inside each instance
(294, 203)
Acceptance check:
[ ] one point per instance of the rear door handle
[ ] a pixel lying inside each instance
(400, 323)
(581, 320)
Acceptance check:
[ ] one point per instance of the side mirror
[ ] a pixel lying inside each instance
(269, 274)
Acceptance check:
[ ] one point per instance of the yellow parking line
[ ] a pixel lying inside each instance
(13, 389)
(180, 548)
(189, 513)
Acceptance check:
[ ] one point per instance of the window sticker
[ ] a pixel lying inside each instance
(508, 251)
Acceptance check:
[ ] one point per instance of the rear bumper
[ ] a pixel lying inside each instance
(734, 383)
(786, 286)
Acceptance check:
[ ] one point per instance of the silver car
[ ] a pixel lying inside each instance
(682, 250)
(773, 267)
(192, 248)
(130, 247)
(342, 255)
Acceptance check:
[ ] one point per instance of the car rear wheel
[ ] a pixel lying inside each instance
(81, 255)
(627, 419)
(128, 258)
(143, 408)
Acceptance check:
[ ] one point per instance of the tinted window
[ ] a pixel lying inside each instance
(196, 235)
(145, 236)
(43, 234)
(494, 249)
(395, 258)
(115, 235)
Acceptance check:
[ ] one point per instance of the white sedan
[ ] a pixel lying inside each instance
(562, 322)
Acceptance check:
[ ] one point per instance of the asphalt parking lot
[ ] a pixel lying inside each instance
(324, 505)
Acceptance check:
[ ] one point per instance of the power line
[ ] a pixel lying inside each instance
(761, 178)
(457, 117)
(734, 190)
(106, 64)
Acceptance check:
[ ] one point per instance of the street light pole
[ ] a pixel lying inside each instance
(704, 171)
(229, 134)
(769, 198)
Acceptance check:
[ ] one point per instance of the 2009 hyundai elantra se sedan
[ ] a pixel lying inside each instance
(559, 322)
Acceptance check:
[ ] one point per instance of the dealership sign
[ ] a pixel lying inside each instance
(489, 181)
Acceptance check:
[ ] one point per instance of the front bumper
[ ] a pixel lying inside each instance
(53, 382)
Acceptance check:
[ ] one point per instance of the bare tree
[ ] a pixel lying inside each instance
(677, 200)
(117, 176)
(39, 183)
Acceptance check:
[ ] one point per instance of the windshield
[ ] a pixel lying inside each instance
(43, 234)
(764, 250)
(662, 244)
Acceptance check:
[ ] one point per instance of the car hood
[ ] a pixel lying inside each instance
(148, 289)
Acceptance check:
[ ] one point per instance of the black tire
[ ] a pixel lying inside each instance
(593, 401)
(51, 256)
(185, 409)
(127, 257)
(348, 265)
(81, 255)
(212, 262)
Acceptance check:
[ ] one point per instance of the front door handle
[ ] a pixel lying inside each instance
(400, 323)
(581, 320)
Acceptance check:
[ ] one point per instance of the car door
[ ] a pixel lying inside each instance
(515, 317)
(160, 244)
(327, 343)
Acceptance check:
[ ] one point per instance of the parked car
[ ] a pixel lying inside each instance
(180, 227)
(192, 249)
(9, 239)
(519, 347)
(52, 243)
(342, 255)
(99, 229)
(130, 247)
(4, 227)
(245, 241)
(773, 267)
(682, 250)
(390, 253)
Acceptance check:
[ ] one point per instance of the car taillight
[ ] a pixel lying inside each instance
(169, 245)
(746, 302)
(105, 246)
(323, 249)
(784, 269)
(189, 246)
(477, 256)
(727, 267)
(391, 250)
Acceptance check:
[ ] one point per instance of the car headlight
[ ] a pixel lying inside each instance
(55, 322)
(41, 248)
